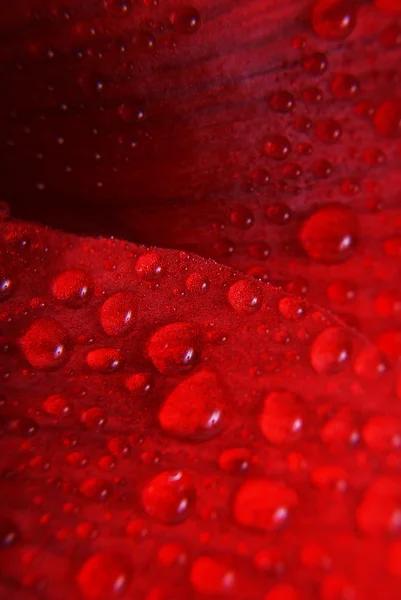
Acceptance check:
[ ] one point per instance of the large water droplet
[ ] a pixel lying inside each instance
(264, 504)
(282, 419)
(117, 315)
(73, 288)
(330, 350)
(169, 497)
(379, 513)
(45, 344)
(175, 348)
(329, 235)
(245, 296)
(186, 20)
(194, 409)
(103, 576)
(211, 577)
(333, 19)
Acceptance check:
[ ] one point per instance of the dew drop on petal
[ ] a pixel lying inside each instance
(150, 266)
(211, 577)
(387, 119)
(245, 296)
(282, 418)
(175, 348)
(264, 504)
(379, 512)
(103, 575)
(186, 20)
(333, 19)
(169, 497)
(9, 533)
(330, 234)
(104, 360)
(194, 409)
(277, 147)
(45, 344)
(118, 313)
(330, 350)
(73, 288)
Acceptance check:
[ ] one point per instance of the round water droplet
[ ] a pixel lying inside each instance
(139, 384)
(370, 363)
(45, 344)
(118, 313)
(235, 460)
(103, 576)
(169, 497)
(277, 147)
(331, 350)
(282, 101)
(245, 296)
(172, 554)
(9, 533)
(315, 64)
(344, 86)
(197, 283)
(387, 118)
(291, 308)
(95, 489)
(241, 217)
(264, 504)
(383, 433)
(322, 168)
(104, 360)
(259, 250)
(333, 19)
(282, 418)
(186, 20)
(73, 288)
(278, 213)
(150, 266)
(329, 235)
(56, 406)
(328, 131)
(94, 418)
(379, 513)
(6, 287)
(175, 348)
(211, 577)
(194, 409)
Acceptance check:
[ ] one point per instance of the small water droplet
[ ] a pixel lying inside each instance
(245, 296)
(118, 313)
(330, 350)
(72, 288)
(169, 497)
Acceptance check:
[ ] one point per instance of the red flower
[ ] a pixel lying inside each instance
(171, 427)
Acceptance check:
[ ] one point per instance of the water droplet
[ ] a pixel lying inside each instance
(118, 313)
(370, 364)
(197, 283)
(387, 118)
(329, 235)
(315, 64)
(264, 504)
(104, 360)
(382, 433)
(194, 409)
(210, 576)
(379, 513)
(175, 348)
(333, 19)
(278, 213)
(331, 350)
(328, 130)
(277, 147)
(291, 308)
(172, 554)
(169, 497)
(245, 296)
(282, 418)
(344, 86)
(139, 384)
(282, 101)
(6, 288)
(103, 575)
(9, 532)
(235, 460)
(322, 168)
(186, 20)
(73, 288)
(259, 250)
(45, 344)
(95, 489)
(241, 217)
(94, 418)
(56, 406)
(150, 266)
